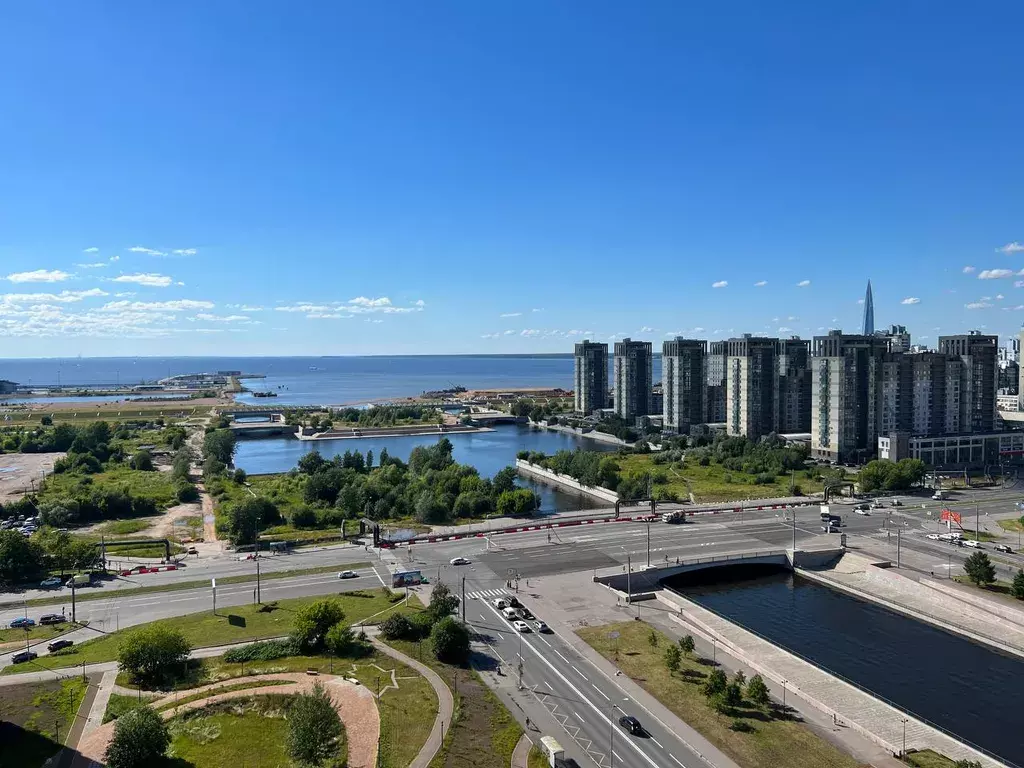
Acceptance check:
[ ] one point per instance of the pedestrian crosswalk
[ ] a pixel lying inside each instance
(483, 594)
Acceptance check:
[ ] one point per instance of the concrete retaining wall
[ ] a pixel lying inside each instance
(1008, 612)
(565, 481)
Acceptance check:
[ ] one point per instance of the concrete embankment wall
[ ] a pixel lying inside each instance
(565, 481)
(858, 709)
(1008, 612)
(859, 577)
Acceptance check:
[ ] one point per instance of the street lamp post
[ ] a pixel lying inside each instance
(784, 694)
(903, 753)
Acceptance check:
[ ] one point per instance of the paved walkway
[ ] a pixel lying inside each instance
(521, 754)
(356, 706)
(852, 707)
(445, 702)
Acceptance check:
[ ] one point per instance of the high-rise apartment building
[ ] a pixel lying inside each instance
(979, 381)
(898, 336)
(716, 382)
(591, 392)
(921, 394)
(751, 386)
(794, 382)
(633, 378)
(1011, 352)
(1009, 377)
(683, 383)
(846, 395)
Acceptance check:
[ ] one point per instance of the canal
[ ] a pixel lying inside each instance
(963, 687)
(489, 452)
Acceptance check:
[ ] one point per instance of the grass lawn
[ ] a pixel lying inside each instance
(713, 482)
(123, 527)
(537, 758)
(999, 587)
(228, 625)
(980, 536)
(772, 742)
(199, 584)
(35, 719)
(119, 704)
(152, 485)
(37, 633)
(926, 758)
(483, 733)
(88, 412)
(1013, 525)
(186, 698)
(233, 733)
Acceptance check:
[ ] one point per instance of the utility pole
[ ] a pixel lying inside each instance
(259, 595)
(648, 543)
(794, 532)
(629, 571)
(977, 522)
(898, 532)
(463, 599)
(73, 619)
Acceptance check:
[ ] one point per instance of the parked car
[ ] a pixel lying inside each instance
(876, 504)
(521, 626)
(897, 503)
(525, 613)
(56, 645)
(348, 575)
(631, 725)
(1003, 548)
(21, 658)
(53, 581)
(459, 561)
(541, 626)
(52, 618)
(510, 614)
(933, 536)
(23, 621)
(501, 603)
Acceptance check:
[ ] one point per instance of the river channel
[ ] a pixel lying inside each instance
(963, 687)
(488, 451)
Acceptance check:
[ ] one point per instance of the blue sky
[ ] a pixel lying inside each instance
(260, 177)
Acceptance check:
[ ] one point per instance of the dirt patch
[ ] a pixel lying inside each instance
(20, 473)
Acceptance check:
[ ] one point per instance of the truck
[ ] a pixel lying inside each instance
(552, 750)
(673, 517)
(80, 580)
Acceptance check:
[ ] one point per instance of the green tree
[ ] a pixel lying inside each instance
(687, 645)
(521, 501)
(733, 694)
(314, 728)
(342, 641)
(141, 461)
(1017, 587)
(20, 559)
(220, 445)
(673, 656)
(153, 653)
(397, 627)
(442, 602)
(739, 678)
(757, 692)
(979, 569)
(652, 639)
(312, 622)
(140, 740)
(244, 519)
(311, 463)
(715, 683)
(967, 764)
(505, 480)
(450, 640)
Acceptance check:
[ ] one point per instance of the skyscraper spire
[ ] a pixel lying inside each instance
(869, 312)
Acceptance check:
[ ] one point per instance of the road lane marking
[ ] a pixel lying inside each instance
(578, 671)
(606, 696)
(562, 657)
(676, 761)
(657, 742)
(545, 641)
(580, 718)
(500, 635)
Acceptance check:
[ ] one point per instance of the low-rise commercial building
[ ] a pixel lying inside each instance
(965, 451)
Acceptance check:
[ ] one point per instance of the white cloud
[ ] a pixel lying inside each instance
(995, 274)
(176, 305)
(115, 258)
(860, 301)
(999, 297)
(39, 276)
(537, 309)
(530, 332)
(510, 314)
(91, 250)
(784, 329)
(304, 308)
(362, 301)
(209, 330)
(248, 308)
(760, 283)
(489, 335)
(125, 294)
(64, 297)
(509, 332)
(803, 283)
(185, 252)
(911, 300)
(720, 284)
(968, 270)
(1009, 248)
(150, 279)
(419, 303)
(357, 306)
(372, 320)
(206, 316)
(792, 319)
(94, 265)
(147, 251)
(698, 329)
(977, 305)
(328, 316)
(647, 329)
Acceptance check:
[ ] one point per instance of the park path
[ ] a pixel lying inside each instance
(521, 754)
(445, 703)
(356, 706)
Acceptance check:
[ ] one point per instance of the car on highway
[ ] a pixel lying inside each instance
(57, 645)
(897, 503)
(501, 603)
(860, 511)
(863, 506)
(22, 622)
(249, 556)
(348, 575)
(458, 561)
(510, 614)
(973, 544)
(525, 613)
(53, 581)
(521, 626)
(631, 725)
(933, 536)
(1003, 548)
(21, 658)
(52, 618)
(541, 626)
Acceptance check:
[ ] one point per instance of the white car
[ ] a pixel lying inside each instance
(458, 561)
(501, 603)
(348, 575)
(521, 626)
(973, 544)
(934, 536)
(862, 512)
(897, 503)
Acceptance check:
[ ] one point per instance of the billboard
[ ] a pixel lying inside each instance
(406, 578)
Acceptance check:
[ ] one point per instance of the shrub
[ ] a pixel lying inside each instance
(140, 740)
(397, 626)
(154, 653)
(314, 728)
(309, 630)
(450, 640)
(267, 650)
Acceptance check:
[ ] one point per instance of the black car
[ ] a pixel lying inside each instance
(52, 618)
(1003, 548)
(21, 658)
(525, 613)
(631, 725)
(56, 645)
